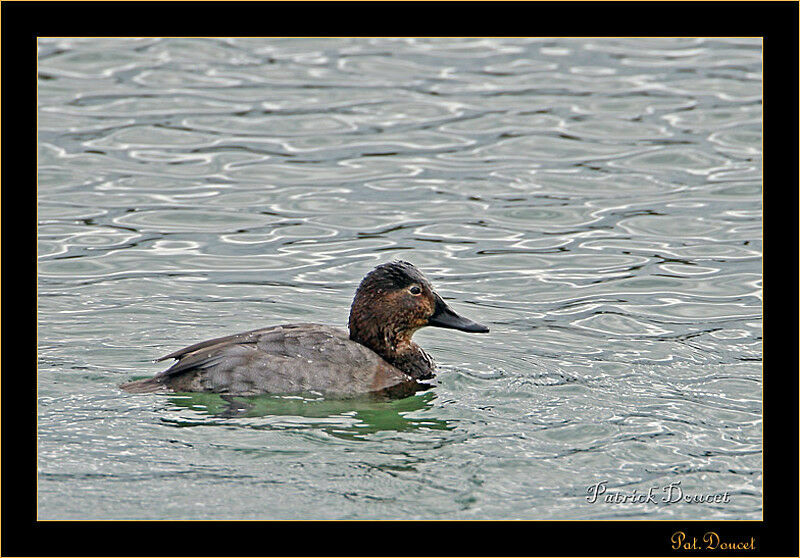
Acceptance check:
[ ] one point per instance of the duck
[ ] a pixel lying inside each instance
(375, 356)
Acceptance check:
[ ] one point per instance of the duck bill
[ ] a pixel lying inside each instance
(443, 316)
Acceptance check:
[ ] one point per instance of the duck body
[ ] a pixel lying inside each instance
(290, 358)
(376, 356)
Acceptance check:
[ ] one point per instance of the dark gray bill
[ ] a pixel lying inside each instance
(443, 316)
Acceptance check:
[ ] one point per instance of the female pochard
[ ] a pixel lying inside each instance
(378, 356)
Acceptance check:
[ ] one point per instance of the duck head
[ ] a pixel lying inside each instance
(392, 302)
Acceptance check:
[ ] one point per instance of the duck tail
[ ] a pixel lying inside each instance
(148, 385)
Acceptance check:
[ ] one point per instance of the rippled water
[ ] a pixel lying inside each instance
(596, 202)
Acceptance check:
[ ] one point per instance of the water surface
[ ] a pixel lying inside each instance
(596, 202)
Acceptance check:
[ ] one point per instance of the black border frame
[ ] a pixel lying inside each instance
(22, 22)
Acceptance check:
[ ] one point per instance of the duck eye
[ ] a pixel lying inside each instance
(415, 290)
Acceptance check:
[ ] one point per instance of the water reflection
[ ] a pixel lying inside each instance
(350, 419)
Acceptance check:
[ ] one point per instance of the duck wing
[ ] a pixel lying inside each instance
(247, 337)
(288, 358)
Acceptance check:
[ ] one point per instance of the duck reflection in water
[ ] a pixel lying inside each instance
(351, 419)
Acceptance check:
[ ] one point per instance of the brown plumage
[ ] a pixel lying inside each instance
(391, 303)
